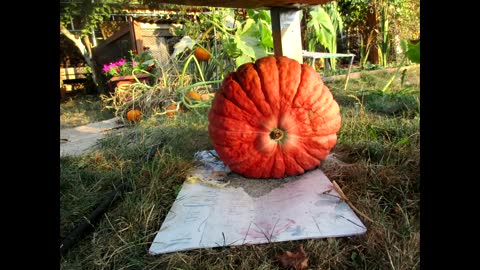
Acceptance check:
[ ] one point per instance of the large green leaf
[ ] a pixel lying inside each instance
(413, 52)
(323, 27)
(242, 59)
(228, 19)
(248, 40)
(267, 38)
(182, 45)
(324, 31)
(230, 46)
(248, 29)
(250, 46)
(259, 15)
(332, 9)
(323, 19)
(243, 46)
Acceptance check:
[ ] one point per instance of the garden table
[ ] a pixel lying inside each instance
(319, 55)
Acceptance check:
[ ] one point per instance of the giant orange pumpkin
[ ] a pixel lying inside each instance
(274, 118)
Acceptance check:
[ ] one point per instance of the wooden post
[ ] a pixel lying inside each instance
(137, 34)
(287, 36)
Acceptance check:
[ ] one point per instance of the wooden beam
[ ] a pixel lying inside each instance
(118, 34)
(137, 37)
(246, 4)
(286, 31)
(73, 73)
(133, 39)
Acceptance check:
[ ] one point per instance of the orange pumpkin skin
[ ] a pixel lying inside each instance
(194, 96)
(171, 108)
(134, 115)
(201, 54)
(274, 118)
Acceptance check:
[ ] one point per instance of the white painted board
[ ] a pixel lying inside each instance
(252, 211)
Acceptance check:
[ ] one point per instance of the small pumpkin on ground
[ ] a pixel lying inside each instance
(205, 97)
(171, 108)
(273, 118)
(193, 95)
(134, 115)
(201, 54)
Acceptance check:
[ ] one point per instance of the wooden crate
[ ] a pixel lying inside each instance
(73, 73)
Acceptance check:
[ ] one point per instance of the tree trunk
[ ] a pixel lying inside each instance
(372, 28)
(398, 48)
(87, 54)
(88, 45)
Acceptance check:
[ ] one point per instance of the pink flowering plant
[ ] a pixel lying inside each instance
(138, 63)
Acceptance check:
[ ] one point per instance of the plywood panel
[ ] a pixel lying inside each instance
(217, 208)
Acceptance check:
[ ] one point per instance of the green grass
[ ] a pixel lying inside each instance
(382, 179)
(81, 110)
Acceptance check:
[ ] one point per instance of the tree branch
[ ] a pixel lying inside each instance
(83, 50)
(75, 40)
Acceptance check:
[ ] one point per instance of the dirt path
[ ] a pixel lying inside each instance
(79, 140)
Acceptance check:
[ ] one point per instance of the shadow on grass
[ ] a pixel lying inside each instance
(155, 156)
(81, 110)
(386, 104)
(391, 104)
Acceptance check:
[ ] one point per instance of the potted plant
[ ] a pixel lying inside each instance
(140, 67)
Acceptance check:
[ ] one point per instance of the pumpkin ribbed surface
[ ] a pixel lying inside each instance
(201, 54)
(274, 118)
(194, 96)
(172, 109)
(134, 115)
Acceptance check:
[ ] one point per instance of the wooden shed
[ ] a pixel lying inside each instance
(140, 33)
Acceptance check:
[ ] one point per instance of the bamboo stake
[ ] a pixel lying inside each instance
(344, 197)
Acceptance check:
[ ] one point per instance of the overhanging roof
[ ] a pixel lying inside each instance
(246, 3)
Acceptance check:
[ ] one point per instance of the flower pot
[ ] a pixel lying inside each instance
(125, 81)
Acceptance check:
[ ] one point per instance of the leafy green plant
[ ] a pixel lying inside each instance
(241, 40)
(193, 70)
(323, 31)
(385, 33)
(412, 52)
(365, 50)
(254, 36)
(324, 22)
(332, 10)
(138, 63)
(378, 25)
(337, 22)
(171, 87)
(183, 90)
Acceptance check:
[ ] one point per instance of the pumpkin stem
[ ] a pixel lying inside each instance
(276, 134)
